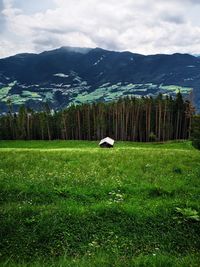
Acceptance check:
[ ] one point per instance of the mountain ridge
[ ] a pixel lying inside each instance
(77, 48)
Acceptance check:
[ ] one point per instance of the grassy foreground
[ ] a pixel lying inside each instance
(74, 204)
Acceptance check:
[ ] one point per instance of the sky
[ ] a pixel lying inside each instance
(139, 26)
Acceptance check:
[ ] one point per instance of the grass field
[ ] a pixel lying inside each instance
(74, 204)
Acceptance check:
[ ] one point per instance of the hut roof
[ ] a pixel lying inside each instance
(107, 140)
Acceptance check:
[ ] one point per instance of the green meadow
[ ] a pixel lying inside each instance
(71, 203)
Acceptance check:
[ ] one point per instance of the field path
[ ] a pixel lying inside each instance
(95, 150)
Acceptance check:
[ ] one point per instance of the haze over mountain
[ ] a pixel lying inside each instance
(78, 75)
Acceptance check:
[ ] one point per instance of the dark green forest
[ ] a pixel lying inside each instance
(132, 119)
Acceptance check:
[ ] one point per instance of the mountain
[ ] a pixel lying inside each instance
(78, 75)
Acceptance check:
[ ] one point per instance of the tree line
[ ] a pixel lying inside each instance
(130, 118)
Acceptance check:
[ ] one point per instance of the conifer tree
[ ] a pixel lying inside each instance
(195, 133)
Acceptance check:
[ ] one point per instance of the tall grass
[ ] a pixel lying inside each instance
(99, 207)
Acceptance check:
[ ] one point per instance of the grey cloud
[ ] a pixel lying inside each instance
(101, 41)
(143, 26)
(2, 17)
(53, 30)
(33, 6)
(106, 43)
(1, 5)
(45, 41)
(177, 19)
(193, 1)
(109, 45)
(184, 1)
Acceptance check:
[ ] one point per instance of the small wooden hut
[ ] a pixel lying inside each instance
(106, 142)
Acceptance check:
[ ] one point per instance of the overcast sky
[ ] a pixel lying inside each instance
(140, 26)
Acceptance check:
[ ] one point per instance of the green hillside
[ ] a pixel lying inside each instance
(79, 94)
(70, 203)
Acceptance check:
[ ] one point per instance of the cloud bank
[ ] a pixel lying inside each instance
(140, 26)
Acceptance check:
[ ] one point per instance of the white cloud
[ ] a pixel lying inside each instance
(142, 26)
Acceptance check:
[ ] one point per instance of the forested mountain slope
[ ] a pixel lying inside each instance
(78, 75)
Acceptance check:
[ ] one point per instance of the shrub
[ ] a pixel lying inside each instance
(152, 137)
(188, 214)
(195, 132)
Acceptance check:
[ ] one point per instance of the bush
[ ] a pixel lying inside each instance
(195, 133)
(188, 214)
(152, 137)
